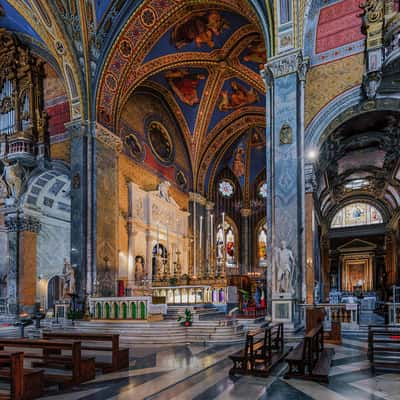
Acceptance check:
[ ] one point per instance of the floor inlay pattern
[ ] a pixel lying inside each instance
(195, 372)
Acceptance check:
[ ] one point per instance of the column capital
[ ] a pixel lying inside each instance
(245, 212)
(288, 63)
(210, 206)
(197, 198)
(108, 138)
(27, 223)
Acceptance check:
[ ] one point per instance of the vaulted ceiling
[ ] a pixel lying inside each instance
(360, 160)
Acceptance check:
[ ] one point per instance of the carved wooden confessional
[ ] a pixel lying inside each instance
(22, 119)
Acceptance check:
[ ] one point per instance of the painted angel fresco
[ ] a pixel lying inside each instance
(184, 84)
(200, 28)
(256, 53)
(239, 97)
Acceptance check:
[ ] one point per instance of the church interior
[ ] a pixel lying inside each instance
(191, 184)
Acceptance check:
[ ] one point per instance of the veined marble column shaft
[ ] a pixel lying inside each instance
(285, 78)
(245, 248)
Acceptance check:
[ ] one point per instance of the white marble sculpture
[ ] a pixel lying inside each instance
(69, 278)
(284, 264)
(12, 176)
(163, 192)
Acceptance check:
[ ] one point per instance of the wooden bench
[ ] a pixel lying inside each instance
(264, 348)
(384, 347)
(24, 383)
(119, 356)
(309, 359)
(82, 368)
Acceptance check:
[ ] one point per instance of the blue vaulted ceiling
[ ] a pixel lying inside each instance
(13, 21)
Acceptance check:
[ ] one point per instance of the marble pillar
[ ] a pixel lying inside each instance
(79, 204)
(285, 77)
(245, 247)
(209, 235)
(22, 272)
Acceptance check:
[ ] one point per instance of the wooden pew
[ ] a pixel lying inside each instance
(119, 356)
(263, 349)
(309, 359)
(24, 383)
(384, 347)
(82, 368)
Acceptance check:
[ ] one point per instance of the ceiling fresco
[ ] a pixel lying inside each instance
(13, 21)
(205, 63)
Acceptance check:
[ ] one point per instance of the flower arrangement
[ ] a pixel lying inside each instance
(186, 320)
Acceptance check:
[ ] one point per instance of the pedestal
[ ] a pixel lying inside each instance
(285, 309)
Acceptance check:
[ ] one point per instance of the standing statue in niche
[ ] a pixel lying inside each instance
(139, 269)
(13, 178)
(284, 265)
(316, 293)
(159, 263)
(106, 279)
(69, 278)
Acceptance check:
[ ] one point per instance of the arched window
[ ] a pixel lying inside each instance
(355, 214)
(226, 245)
(262, 246)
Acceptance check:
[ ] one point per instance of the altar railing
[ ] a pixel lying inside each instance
(124, 308)
(347, 314)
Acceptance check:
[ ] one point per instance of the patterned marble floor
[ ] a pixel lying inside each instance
(195, 372)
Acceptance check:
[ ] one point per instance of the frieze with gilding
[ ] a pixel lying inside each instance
(108, 138)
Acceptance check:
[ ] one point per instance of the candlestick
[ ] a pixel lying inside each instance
(201, 232)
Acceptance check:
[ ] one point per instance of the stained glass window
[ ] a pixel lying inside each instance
(226, 245)
(357, 184)
(226, 188)
(262, 247)
(262, 190)
(357, 214)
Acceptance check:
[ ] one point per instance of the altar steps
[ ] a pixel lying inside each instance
(167, 332)
(199, 312)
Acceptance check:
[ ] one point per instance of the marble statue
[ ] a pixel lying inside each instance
(163, 192)
(12, 176)
(159, 263)
(317, 292)
(69, 278)
(3, 189)
(284, 264)
(139, 269)
(106, 279)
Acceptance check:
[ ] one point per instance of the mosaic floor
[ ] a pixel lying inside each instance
(201, 373)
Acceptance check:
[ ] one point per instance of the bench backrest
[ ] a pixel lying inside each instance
(313, 345)
(104, 337)
(15, 362)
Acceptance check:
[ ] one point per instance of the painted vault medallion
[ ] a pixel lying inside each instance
(160, 142)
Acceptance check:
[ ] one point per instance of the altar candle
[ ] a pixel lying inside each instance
(158, 237)
(201, 231)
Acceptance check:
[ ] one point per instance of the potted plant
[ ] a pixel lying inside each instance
(186, 320)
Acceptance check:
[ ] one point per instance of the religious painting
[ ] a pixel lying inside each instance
(257, 139)
(238, 164)
(256, 53)
(134, 147)
(181, 180)
(160, 142)
(286, 134)
(200, 29)
(184, 84)
(237, 97)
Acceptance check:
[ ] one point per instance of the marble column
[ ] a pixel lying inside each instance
(245, 241)
(22, 272)
(149, 255)
(79, 204)
(131, 236)
(311, 263)
(285, 78)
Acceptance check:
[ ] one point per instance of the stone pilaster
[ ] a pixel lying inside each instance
(285, 78)
(209, 239)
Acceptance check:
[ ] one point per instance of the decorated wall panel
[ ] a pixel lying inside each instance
(325, 82)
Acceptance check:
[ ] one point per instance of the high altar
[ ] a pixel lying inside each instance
(158, 242)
